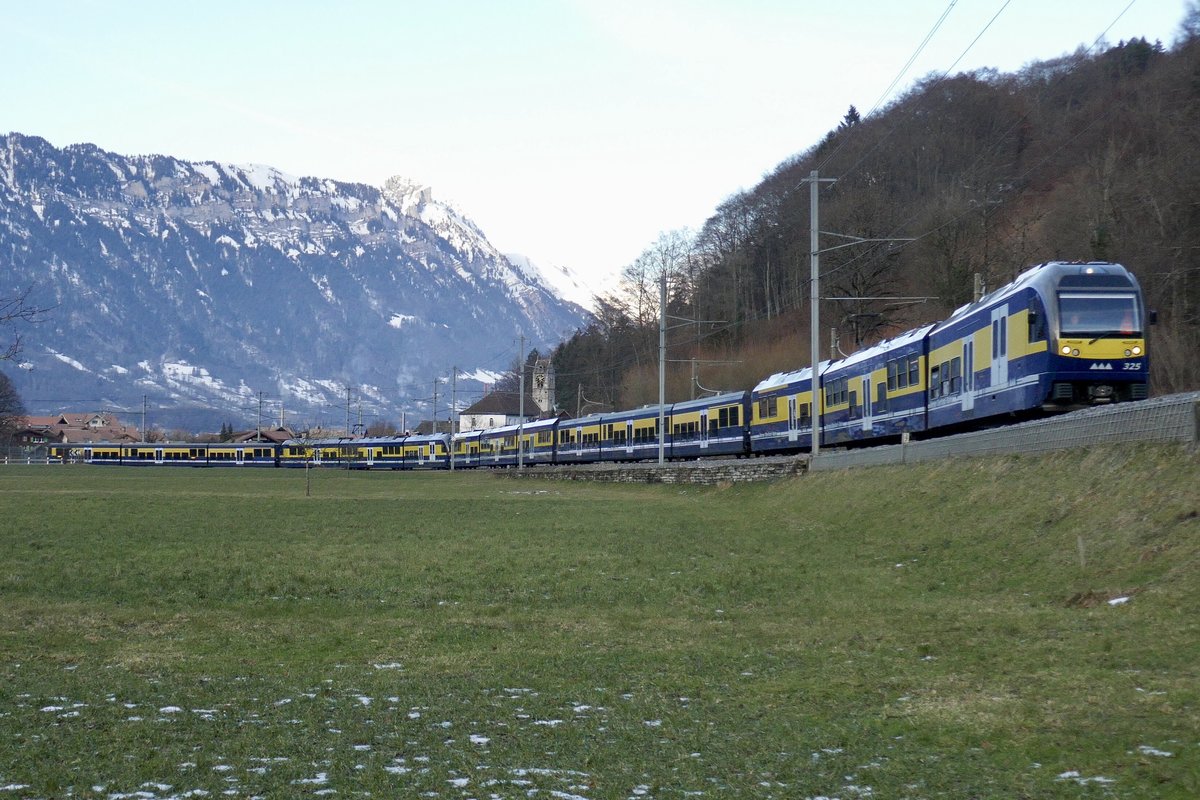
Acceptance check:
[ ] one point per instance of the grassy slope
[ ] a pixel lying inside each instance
(931, 631)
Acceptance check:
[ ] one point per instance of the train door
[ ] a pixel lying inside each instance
(370, 456)
(866, 399)
(1000, 345)
(240, 457)
(629, 437)
(793, 420)
(703, 428)
(968, 376)
(158, 456)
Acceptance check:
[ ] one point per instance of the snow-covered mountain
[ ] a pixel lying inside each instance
(204, 287)
(563, 281)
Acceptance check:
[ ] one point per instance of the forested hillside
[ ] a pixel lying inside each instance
(1089, 156)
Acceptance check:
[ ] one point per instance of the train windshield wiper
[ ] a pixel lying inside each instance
(1107, 334)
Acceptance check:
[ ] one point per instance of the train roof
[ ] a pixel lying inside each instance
(1045, 277)
(704, 402)
(535, 425)
(881, 348)
(416, 438)
(786, 378)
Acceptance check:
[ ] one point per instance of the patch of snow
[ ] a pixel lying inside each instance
(1147, 750)
(69, 361)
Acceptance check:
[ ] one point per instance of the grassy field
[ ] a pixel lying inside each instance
(1008, 628)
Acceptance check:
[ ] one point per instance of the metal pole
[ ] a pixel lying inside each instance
(662, 363)
(453, 405)
(814, 262)
(521, 421)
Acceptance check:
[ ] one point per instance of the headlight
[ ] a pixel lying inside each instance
(1074, 352)
(1137, 351)
(1066, 350)
(1128, 353)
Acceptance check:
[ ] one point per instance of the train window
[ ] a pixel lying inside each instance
(805, 414)
(1036, 330)
(934, 383)
(956, 375)
(684, 430)
(914, 371)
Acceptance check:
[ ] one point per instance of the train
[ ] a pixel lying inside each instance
(1061, 336)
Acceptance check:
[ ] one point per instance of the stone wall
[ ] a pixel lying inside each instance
(709, 473)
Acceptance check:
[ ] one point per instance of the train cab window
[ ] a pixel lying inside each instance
(1037, 331)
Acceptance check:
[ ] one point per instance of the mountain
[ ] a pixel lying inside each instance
(203, 288)
(563, 281)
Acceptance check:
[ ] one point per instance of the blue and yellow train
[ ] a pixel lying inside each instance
(1061, 336)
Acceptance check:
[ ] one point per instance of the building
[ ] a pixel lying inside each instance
(497, 409)
(73, 429)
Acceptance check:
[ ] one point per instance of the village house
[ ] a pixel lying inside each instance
(73, 428)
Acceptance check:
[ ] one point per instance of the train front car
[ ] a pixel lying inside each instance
(1061, 335)
(1097, 319)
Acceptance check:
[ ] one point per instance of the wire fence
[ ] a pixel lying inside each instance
(1175, 418)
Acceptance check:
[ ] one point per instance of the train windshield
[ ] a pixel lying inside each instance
(1094, 314)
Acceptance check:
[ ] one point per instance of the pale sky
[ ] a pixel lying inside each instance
(573, 131)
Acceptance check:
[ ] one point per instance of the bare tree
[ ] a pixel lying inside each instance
(12, 410)
(16, 308)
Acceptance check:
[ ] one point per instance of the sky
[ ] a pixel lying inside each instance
(574, 132)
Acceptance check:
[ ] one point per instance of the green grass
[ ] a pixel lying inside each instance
(934, 631)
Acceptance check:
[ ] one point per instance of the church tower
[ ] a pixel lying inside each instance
(543, 384)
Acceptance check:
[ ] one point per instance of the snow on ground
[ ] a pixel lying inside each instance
(412, 745)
